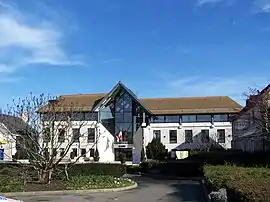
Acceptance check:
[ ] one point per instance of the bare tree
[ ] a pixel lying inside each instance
(205, 141)
(51, 128)
(257, 113)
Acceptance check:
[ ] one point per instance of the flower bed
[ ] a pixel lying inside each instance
(75, 183)
(98, 182)
(242, 183)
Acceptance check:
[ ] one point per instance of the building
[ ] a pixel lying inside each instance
(11, 130)
(119, 122)
(251, 126)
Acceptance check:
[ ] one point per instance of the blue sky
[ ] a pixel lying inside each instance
(157, 48)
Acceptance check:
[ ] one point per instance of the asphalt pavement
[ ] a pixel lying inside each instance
(148, 190)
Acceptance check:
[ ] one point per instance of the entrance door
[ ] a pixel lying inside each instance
(127, 151)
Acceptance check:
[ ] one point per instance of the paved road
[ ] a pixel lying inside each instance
(150, 190)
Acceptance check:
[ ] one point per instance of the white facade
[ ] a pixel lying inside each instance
(8, 142)
(105, 141)
(196, 130)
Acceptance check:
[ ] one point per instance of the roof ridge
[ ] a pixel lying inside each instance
(82, 94)
(186, 97)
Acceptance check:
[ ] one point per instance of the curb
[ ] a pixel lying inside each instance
(207, 197)
(65, 192)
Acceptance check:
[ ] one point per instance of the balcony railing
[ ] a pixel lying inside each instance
(124, 141)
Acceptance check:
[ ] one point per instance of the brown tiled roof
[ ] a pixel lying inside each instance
(77, 102)
(192, 105)
(188, 105)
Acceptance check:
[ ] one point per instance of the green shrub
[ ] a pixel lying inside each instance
(248, 184)
(96, 155)
(123, 158)
(149, 164)
(131, 169)
(97, 169)
(174, 168)
(231, 156)
(156, 150)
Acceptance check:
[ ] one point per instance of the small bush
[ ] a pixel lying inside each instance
(96, 155)
(156, 150)
(131, 169)
(242, 183)
(123, 158)
(146, 166)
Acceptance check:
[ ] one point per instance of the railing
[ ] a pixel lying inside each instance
(124, 141)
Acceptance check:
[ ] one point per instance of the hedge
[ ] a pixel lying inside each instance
(242, 183)
(231, 156)
(116, 170)
(174, 168)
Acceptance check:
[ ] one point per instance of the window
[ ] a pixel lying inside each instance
(61, 135)
(204, 118)
(173, 136)
(158, 119)
(83, 152)
(189, 118)
(91, 116)
(188, 136)
(92, 152)
(76, 134)
(77, 116)
(75, 152)
(46, 134)
(172, 119)
(157, 134)
(221, 135)
(62, 152)
(205, 136)
(91, 135)
(221, 117)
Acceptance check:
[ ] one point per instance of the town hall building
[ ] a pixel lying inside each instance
(120, 122)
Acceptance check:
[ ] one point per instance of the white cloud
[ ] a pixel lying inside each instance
(207, 86)
(262, 6)
(203, 2)
(24, 43)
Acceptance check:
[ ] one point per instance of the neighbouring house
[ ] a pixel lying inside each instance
(12, 130)
(119, 122)
(251, 127)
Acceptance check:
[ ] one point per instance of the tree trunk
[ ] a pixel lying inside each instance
(42, 175)
(50, 176)
(66, 172)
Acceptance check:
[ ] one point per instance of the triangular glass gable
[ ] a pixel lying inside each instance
(122, 114)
